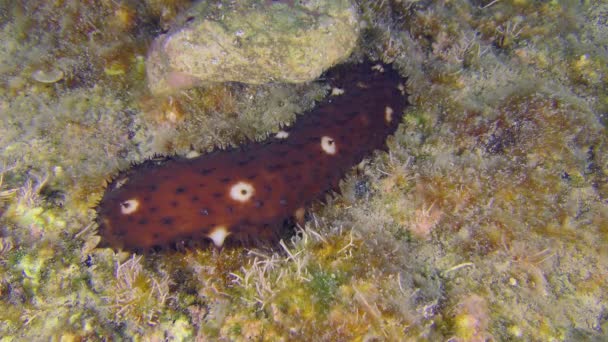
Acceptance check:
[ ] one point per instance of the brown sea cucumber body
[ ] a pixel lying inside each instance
(246, 194)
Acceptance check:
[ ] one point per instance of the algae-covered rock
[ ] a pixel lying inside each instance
(253, 42)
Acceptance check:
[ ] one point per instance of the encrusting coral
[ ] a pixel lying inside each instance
(485, 220)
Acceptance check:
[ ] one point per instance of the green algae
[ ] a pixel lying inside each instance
(486, 218)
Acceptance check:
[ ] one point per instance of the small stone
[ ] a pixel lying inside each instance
(48, 76)
(252, 42)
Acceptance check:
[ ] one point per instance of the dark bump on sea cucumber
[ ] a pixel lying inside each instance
(201, 185)
(268, 188)
(252, 176)
(195, 198)
(167, 220)
(291, 178)
(225, 180)
(217, 194)
(229, 209)
(275, 167)
(259, 204)
(174, 204)
(237, 228)
(207, 171)
(143, 221)
(152, 209)
(180, 190)
(152, 187)
(341, 121)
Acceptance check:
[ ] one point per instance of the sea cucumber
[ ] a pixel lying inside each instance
(246, 194)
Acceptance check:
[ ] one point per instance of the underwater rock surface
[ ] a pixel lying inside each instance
(252, 42)
(485, 220)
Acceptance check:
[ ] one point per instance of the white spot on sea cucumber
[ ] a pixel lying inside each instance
(378, 67)
(362, 85)
(328, 145)
(388, 114)
(120, 182)
(401, 88)
(282, 135)
(241, 191)
(128, 207)
(218, 235)
(299, 214)
(335, 91)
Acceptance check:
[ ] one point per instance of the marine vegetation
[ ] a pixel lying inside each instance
(485, 219)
